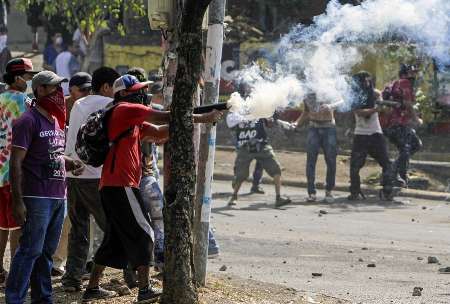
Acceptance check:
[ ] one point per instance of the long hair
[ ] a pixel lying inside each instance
(364, 95)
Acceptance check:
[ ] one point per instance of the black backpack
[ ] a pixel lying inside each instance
(93, 144)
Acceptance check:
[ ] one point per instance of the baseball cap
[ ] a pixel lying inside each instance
(19, 66)
(129, 83)
(46, 78)
(82, 80)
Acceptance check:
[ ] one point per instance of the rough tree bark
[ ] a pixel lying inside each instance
(179, 195)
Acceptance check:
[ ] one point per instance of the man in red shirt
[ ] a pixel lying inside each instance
(129, 235)
(402, 121)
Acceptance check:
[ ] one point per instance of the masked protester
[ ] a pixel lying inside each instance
(321, 135)
(129, 235)
(401, 122)
(52, 51)
(368, 139)
(38, 172)
(252, 144)
(13, 103)
(150, 191)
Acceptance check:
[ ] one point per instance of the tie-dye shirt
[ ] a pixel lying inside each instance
(12, 105)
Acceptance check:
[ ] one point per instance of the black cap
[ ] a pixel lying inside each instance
(405, 68)
(82, 80)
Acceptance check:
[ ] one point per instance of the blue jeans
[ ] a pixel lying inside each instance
(212, 243)
(32, 262)
(324, 138)
(257, 174)
(407, 143)
(154, 203)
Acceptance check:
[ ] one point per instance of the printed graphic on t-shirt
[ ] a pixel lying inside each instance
(55, 167)
(250, 131)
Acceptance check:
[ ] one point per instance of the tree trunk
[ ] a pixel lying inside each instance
(96, 36)
(179, 195)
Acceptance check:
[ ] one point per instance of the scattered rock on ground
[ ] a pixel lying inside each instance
(350, 251)
(364, 248)
(360, 260)
(445, 270)
(316, 274)
(432, 260)
(323, 212)
(419, 258)
(372, 265)
(223, 268)
(417, 291)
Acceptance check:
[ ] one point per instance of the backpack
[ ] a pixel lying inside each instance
(93, 145)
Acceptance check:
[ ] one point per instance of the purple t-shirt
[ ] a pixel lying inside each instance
(43, 167)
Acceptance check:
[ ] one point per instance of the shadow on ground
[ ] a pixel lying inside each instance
(340, 204)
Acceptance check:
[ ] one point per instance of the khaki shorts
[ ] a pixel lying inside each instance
(266, 157)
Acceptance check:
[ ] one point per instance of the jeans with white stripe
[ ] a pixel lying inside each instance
(128, 235)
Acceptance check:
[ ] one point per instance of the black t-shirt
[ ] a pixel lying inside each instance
(250, 133)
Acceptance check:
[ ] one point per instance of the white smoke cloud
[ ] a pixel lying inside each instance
(322, 55)
(266, 97)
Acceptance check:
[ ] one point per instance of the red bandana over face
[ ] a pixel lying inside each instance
(55, 105)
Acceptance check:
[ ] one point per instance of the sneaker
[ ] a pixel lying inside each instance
(257, 189)
(400, 182)
(232, 201)
(329, 198)
(282, 201)
(445, 270)
(311, 198)
(94, 294)
(213, 252)
(356, 197)
(149, 295)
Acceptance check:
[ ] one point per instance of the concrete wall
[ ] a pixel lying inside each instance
(19, 33)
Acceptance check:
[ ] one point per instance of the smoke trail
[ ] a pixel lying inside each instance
(320, 57)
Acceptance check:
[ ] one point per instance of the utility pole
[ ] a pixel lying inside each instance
(205, 169)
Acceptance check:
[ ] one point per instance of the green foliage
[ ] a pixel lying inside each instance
(88, 13)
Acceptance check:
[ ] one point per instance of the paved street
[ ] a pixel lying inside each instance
(287, 246)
